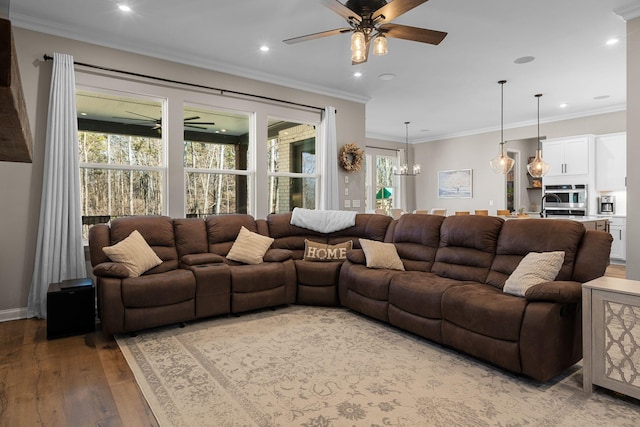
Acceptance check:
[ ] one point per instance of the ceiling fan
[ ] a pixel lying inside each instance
(369, 20)
(157, 123)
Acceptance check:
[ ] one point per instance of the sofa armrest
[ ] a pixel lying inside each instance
(356, 256)
(199, 259)
(111, 269)
(277, 255)
(558, 291)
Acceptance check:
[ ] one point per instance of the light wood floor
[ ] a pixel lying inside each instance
(75, 381)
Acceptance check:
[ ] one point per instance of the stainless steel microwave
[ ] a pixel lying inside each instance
(567, 197)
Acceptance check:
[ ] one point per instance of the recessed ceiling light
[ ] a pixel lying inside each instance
(524, 59)
(564, 105)
(612, 41)
(601, 97)
(264, 48)
(83, 114)
(124, 8)
(387, 76)
(357, 74)
(223, 130)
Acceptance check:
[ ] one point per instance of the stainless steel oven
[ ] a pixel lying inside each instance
(566, 199)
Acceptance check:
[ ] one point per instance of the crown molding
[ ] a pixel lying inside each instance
(629, 12)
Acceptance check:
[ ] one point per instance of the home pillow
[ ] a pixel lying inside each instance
(381, 255)
(249, 247)
(134, 253)
(314, 251)
(534, 268)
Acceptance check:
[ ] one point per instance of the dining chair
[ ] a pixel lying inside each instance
(463, 213)
(482, 212)
(438, 211)
(396, 213)
(381, 211)
(421, 212)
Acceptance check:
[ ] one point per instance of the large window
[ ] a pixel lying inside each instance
(291, 159)
(121, 156)
(216, 154)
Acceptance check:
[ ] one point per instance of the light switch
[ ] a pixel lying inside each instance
(355, 203)
(346, 191)
(347, 203)
(346, 179)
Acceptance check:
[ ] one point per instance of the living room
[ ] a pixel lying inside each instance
(21, 199)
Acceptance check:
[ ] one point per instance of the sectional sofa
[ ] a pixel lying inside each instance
(450, 290)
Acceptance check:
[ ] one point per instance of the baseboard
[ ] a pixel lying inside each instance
(13, 314)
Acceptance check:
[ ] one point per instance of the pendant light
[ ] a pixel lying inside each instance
(538, 167)
(404, 168)
(502, 163)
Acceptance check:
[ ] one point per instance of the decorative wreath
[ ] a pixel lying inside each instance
(350, 157)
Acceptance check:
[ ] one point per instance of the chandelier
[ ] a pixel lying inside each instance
(404, 168)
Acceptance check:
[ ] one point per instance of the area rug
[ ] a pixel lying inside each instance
(321, 367)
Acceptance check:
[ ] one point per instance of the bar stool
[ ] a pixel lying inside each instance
(482, 212)
(504, 212)
(421, 212)
(463, 213)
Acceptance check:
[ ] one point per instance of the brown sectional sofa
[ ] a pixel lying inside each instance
(451, 292)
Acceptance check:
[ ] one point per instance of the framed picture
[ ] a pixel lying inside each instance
(455, 184)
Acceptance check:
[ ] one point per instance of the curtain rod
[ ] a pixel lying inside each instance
(222, 91)
(382, 148)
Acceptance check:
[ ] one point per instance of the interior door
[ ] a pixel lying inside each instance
(382, 192)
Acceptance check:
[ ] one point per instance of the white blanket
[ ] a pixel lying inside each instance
(323, 221)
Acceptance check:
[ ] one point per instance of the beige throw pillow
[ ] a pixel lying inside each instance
(314, 251)
(134, 253)
(381, 255)
(249, 247)
(534, 268)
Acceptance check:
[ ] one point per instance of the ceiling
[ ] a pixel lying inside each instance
(445, 90)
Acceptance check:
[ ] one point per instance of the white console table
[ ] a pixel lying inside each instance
(611, 335)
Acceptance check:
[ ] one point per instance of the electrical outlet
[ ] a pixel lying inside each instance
(490, 202)
(355, 203)
(347, 203)
(346, 179)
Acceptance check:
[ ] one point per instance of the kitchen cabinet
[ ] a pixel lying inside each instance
(617, 228)
(611, 162)
(567, 156)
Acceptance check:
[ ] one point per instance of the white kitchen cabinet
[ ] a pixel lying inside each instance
(611, 162)
(617, 228)
(567, 156)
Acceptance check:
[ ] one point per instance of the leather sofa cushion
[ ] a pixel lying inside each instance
(191, 236)
(222, 231)
(485, 310)
(255, 278)
(318, 273)
(157, 232)
(420, 293)
(467, 247)
(519, 237)
(417, 238)
(156, 290)
(368, 282)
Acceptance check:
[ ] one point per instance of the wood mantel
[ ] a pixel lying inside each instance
(15, 134)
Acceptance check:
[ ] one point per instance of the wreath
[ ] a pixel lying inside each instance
(350, 157)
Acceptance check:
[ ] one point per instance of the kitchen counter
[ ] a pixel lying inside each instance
(591, 222)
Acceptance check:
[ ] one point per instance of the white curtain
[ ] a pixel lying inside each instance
(59, 250)
(330, 196)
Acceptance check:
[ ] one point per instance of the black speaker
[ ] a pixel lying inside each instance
(70, 308)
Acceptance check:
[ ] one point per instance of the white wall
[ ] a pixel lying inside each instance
(475, 151)
(21, 189)
(633, 148)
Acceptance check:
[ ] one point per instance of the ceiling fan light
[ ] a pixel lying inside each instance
(358, 41)
(380, 45)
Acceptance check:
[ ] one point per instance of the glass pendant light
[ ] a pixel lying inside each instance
(538, 167)
(358, 46)
(380, 45)
(502, 163)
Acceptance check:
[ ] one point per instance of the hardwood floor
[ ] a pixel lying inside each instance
(75, 381)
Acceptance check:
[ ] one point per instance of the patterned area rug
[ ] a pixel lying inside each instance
(320, 367)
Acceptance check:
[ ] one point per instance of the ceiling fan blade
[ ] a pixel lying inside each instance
(191, 118)
(405, 32)
(342, 10)
(317, 35)
(396, 8)
(199, 123)
(142, 115)
(135, 119)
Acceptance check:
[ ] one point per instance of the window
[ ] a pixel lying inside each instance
(216, 154)
(381, 193)
(291, 159)
(121, 156)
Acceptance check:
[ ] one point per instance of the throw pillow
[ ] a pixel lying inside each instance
(534, 268)
(381, 255)
(134, 253)
(249, 247)
(314, 251)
